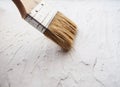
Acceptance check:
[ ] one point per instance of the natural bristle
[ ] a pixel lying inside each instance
(62, 31)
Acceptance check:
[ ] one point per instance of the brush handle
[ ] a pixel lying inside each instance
(25, 6)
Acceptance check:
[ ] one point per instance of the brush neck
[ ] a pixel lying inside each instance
(25, 6)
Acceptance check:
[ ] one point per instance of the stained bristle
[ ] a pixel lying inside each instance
(62, 31)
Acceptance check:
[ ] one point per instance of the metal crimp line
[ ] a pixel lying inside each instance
(35, 23)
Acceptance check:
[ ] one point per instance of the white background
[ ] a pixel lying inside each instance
(29, 59)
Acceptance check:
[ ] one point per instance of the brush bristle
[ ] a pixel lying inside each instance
(62, 31)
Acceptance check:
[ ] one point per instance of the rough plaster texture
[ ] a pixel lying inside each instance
(28, 59)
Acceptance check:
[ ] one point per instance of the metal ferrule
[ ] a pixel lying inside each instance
(41, 16)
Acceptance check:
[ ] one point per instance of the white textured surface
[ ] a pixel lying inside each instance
(28, 59)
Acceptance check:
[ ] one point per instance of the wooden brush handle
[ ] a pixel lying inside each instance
(25, 6)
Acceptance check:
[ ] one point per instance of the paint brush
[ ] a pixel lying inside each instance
(48, 21)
